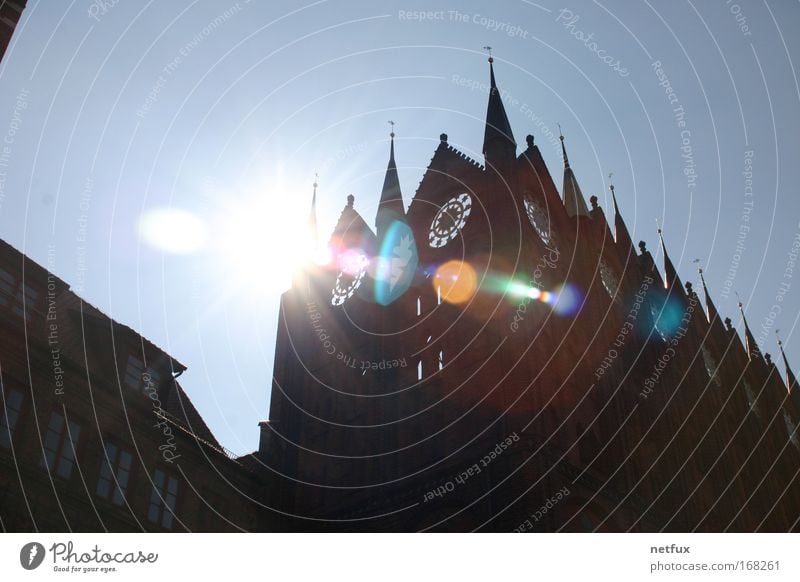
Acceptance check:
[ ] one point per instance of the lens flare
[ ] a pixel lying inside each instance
(172, 230)
(352, 261)
(567, 299)
(456, 280)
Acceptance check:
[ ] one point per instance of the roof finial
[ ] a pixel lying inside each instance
(563, 147)
(791, 379)
(312, 215)
(613, 195)
(391, 135)
(489, 50)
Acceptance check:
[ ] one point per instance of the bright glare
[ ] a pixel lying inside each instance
(264, 241)
(172, 230)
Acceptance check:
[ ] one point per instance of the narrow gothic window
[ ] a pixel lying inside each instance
(10, 416)
(609, 279)
(163, 498)
(711, 366)
(419, 370)
(59, 445)
(114, 474)
(441, 359)
(419, 306)
(751, 399)
(791, 429)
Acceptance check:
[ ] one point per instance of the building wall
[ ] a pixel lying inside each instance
(646, 432)
(62, 358)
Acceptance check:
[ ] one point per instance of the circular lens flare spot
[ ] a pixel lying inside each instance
(456, 281)
(172, 230)
(566, 300)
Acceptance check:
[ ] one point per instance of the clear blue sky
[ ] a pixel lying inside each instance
(225, 111)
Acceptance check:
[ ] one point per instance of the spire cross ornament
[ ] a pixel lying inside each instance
(316, 179)
(777, 333)
(560, 133)
(740, 300)
(392, 124)
(489, 50)
(610, 182)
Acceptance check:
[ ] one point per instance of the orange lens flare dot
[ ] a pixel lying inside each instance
(456, 281)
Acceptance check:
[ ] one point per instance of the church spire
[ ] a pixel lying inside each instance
(711, 309)
(497, 138)
(621, 235)
(753, 353)
(390, 207)
(670, 274)
(791, 380)
(312, 216)
(573, 197)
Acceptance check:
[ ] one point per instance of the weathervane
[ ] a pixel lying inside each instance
(610, 183)
(392, 124)
(489, 50)
(740, 300)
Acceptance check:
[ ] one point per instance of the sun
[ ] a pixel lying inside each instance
(262, 241)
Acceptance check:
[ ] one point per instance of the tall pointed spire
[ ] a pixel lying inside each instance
(670, 273)
(753, 352)
(791, 380)
(573, 197)
(621, 235)
(312, 216)
(391, 206)
(498, 138)
(711, 309)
